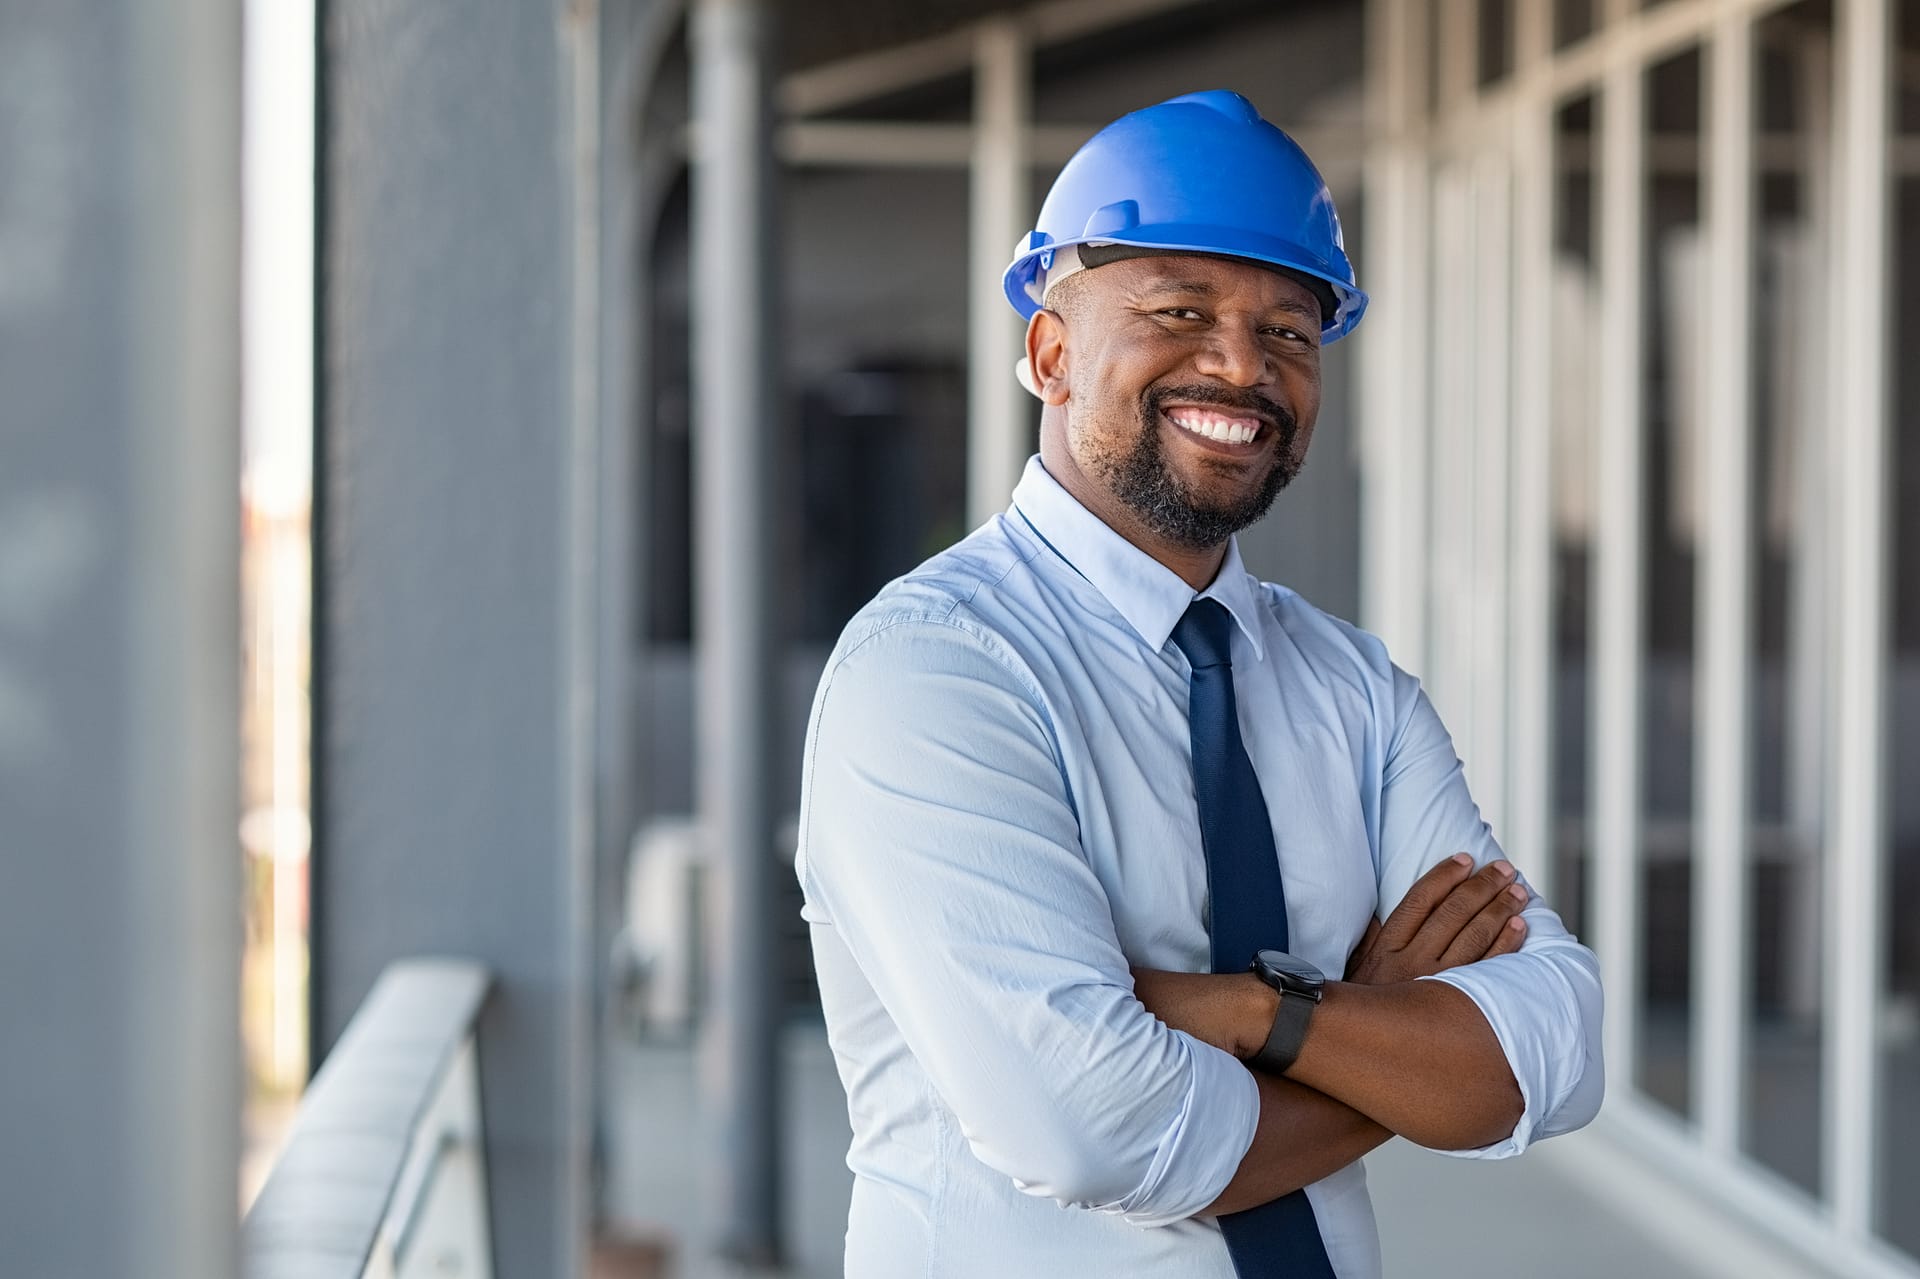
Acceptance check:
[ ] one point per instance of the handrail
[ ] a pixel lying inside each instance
(368, 1160)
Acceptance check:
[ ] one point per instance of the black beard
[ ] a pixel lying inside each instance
(1142, 481)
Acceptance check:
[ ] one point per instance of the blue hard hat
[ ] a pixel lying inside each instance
(1201, 173)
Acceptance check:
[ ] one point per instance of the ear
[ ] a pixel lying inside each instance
(1047, 355)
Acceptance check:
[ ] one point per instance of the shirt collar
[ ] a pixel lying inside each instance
(1149, 595)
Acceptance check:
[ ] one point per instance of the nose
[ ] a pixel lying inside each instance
(1235, 355)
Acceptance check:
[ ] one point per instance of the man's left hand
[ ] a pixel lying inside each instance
(1453, 915)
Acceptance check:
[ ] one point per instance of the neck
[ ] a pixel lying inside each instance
(1196, 567)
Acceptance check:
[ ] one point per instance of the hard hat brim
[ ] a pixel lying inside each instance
(1022, 276)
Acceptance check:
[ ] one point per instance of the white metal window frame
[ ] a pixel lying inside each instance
(1456, 535)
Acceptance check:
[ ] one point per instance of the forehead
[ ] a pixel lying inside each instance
(1245, 283)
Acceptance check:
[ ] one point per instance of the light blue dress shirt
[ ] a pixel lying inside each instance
(998, 818)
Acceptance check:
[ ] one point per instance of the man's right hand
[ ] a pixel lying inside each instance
(1454, 915)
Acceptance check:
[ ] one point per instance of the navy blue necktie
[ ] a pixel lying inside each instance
(1279, 1239)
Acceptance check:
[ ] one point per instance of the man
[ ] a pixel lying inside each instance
(1068, 780)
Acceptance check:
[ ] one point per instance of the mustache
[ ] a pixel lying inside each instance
(1249, 403)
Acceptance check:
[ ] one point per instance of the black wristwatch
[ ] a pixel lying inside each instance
(1300, 985)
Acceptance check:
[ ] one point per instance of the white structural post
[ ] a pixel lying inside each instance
(1490, 512)
(1722, 743)
(1446, 548)
(998, 409)
(1394, 406)
(733, 413)
(1618, 644)
(1855, 907)
(1530, 797)
(1449, 423)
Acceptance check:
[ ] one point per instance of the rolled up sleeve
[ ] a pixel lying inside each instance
(938, 840)
(1543, 1002)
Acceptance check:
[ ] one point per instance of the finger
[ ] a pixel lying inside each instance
(1447, 919)
(1485, 928)
(1427, 892)
(1512, 938)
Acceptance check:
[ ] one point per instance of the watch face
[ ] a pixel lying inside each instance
(1290, 970)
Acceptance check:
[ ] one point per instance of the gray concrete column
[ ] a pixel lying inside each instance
(734, 425)
(455, 485)
(120, 863)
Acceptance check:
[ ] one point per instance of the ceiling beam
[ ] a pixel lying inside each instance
(845, 82)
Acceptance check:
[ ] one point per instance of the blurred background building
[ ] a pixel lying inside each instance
(439, 445)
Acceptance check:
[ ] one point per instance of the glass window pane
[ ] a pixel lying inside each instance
(669, 463)
(1898, 1181)
(1496, 40)
(1671, 532)
(1572, 21)
(1793, 53)
(1574, 325)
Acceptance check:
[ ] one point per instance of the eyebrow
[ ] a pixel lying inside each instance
(1202, 287)
(1205, 289)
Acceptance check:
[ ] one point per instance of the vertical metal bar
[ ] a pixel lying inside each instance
(1618, 638)
(1394, 405)
(1861, 316)
(733, 274)
(1380, 416)
(1725, 600)
(999, 412)
(1450, 477)
(1490, 510)
(1450, 498)
(1529, 833)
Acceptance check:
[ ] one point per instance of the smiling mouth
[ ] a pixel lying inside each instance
(1214, 425)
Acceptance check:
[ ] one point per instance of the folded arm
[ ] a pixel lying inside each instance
(1452, 1030)
(1383, 1062)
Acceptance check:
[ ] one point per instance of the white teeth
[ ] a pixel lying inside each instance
(1213, 426)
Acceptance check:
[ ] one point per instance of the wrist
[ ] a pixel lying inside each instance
(1260, 1004)
(1300, 986)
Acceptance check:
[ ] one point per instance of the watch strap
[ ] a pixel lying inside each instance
(1288, 1033)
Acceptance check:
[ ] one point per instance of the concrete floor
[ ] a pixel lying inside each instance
(1559, 1211)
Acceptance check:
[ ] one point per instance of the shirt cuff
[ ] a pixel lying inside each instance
(1534, 1012)
(1201, 1151)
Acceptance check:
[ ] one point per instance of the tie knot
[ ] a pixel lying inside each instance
(1205, 633)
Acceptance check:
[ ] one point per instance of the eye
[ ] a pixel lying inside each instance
(1180, 313)
(1289, 333)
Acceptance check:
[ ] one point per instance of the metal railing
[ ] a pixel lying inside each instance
(384, 1174)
